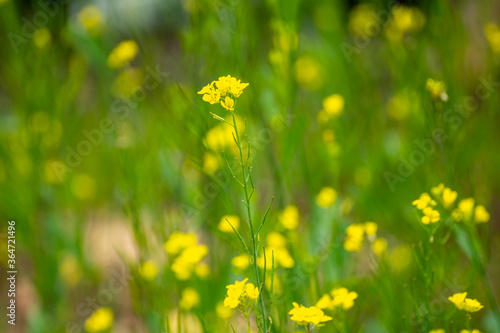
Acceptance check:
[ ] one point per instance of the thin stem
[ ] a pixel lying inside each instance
(249, 214)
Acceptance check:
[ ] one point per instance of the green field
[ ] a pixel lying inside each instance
(249, 166)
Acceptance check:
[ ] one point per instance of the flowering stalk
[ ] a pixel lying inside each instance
(223, 91)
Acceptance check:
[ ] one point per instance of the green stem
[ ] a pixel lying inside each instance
(249, 214)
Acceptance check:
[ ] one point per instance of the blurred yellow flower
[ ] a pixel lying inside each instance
(127, 82)
(308, 72)
(481, 215)
(289, 217)
(148, 270)
(69, 270)
(492, 33)
(306, 316)
(226, 222)
(354, 238)
(430, 216)
(424, 201)
(241, 262)
(467, 331)
(221, 90)
(326, 197)
(42, 38)
(379, 246)
(210, 163)
(240, 292)
(276, 244)
(449, 197)
(466, 207)
(437, 89)
(437, 190)
(83, 186)
(370, 228)
(210, 93)
(363, 22)
(223, 312)
(91, 19)
(333, 105)
(189, 299)
(202, 270)
(404, 20)
(179, 241)
(343, 297)
(122, 54)
(437, 331)
(252, 291)
(465, 304)
(100, 320)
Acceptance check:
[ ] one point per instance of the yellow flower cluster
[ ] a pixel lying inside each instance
(465, 211)
(91, 19)
(355, 236)
(467, 331)
(224, 90)
(188, 255)
(363, 21)
(425, 203)
(338, 298)
(240, 293)
(437, 89)
(437, 331)
(100, 320)
(465, 304)
(289, 217)
(326, 197)
(276, 242)
(305, 316)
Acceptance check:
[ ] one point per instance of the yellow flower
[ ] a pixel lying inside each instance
(289, 218)
(492, 33)
(437, 331)
(437, 190)
(228, 103)
(308, 73)
(148, 270)
(370, 228)
(449, 197)
(230, 85)
(225, 226)
(311, 315)
(237, 289)
(379, 246)
(343, 297)
(437, 89)
(424, 201)
(466, 206)
(333, 105)
(100, 320)
(223, 312)
(430, 216)
(467, 331)
(83, 186)
(354, 238)
(90, 17)
(326, 197)
(325, 302)
(42, 38)
(70, 270)
(481, 215)
(184, 264)
(276, 243)
(123, 54)
(251, 291)
(202, 270)
(241, 262)
(189, 299)
(231, 303)
(466, 304)
(210, 93)
(210, 163)
(179, 241)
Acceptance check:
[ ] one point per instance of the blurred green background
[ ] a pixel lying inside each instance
(101, 161)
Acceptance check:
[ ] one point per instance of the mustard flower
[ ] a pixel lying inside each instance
(289, 218)
(466, 207)
(91, 18)
(354, 238)
(100, 320)
(379, 246)
(228, 103)
(437, 190)
(437, 331)
(179, 241)
(189, 299)
(123, 54)
(223, 90)
(448, 197)
(326, 197)
(225, 226)
(343, 297)
(430, 216)
(305, 316)
(481, 215)
(437, 89)
(423, 201)
(241, 262)
(333, 105)
(239, 292)
(148, 270)
(276, 243)
(210, 93)
(467, 331)
(465, 304)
